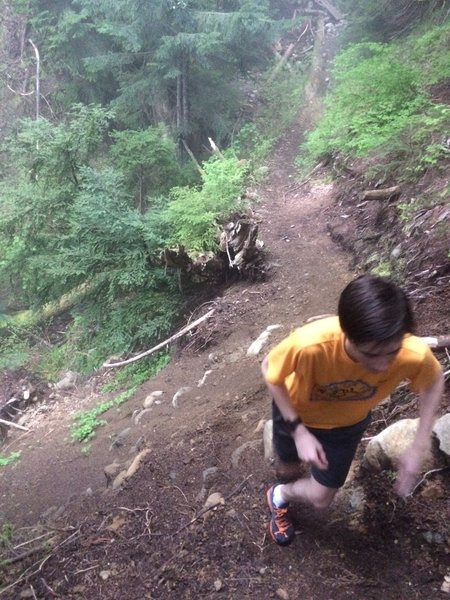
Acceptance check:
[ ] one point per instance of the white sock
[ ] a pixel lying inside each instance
(277, 497)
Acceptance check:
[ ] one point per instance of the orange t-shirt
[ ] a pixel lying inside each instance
(327, 388)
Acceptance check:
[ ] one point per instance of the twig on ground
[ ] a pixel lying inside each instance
(236, 490)
(48, 588)
(425, 475)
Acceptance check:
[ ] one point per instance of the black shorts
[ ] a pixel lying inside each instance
(339, 444)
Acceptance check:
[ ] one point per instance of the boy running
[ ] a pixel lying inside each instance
(327, 376)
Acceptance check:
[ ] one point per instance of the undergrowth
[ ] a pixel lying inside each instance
(381, 105)
(87, 422)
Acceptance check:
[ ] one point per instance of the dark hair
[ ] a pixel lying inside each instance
(374, 309)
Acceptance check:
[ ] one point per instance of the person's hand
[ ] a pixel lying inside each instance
(309, 448)
(409, 464)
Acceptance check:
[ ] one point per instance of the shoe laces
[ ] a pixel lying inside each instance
(281, 518)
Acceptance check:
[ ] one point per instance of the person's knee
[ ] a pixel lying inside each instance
(321, 497)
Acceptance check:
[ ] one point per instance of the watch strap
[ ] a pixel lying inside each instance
(292, 424)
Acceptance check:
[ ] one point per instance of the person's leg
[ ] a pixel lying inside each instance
(320, 489)
(308, 491)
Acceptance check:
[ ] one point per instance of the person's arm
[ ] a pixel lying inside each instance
(410, 462)
(309, 449)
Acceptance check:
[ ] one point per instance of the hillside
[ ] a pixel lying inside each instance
(151, 538)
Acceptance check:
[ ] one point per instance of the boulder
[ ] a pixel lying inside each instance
(442, 431)
(384, 449)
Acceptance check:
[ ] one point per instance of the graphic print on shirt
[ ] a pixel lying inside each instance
(343, 390)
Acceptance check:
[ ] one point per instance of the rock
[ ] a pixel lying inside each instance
(105, 575)
(111, 471)
(119, 438)
(210, 475)
(119, 480)
(138, 445)
(28, 593)
(215, 499)
(134, 467)
(256, 346)
(442, 430)
(445, 587)
(68, 382)
(138, 417)
(282, 593)
(150, 400)
(180, 392)
(268, 440)
(384, 449)
(218, 585)
(260, 426)
(236, 456)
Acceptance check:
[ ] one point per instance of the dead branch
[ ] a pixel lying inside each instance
(215, 148)
(441, 341)
(162, 344)
(11, 424)
(426, 475)
(382, 194)
(192, 157)
(286, 55)
(332, 10)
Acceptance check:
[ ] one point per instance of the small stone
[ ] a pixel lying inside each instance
(151, 399)
(215, 499)
(218, 585)
(210, 474)
(105, 575)
(281, 593)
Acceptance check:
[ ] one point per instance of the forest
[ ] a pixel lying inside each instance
(133, 132)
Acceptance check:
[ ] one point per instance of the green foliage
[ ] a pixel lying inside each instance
(380, 104)
(139, 372)
(7, 460)
(87, 421)
(194, 212)
(280, 101)
(430, 49)
(133, 55)
(147, 159)
(383, 20)
(6, 534)
(15, 351)
(374, 98)
(52, 361)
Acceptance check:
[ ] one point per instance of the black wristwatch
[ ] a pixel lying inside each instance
(291, 425)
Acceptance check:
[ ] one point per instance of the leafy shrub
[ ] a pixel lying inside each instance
(193, 212)
(374, 97)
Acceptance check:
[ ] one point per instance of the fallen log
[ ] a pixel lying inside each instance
(332, 10)
(382, 194)
(286, 55)
(162, 344)
(440, 341)
(11, 424)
